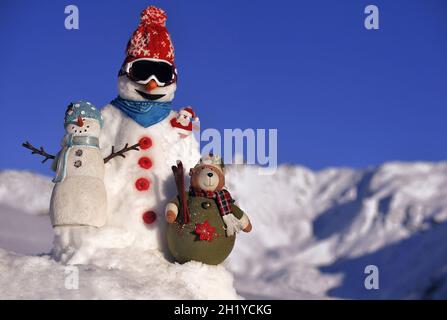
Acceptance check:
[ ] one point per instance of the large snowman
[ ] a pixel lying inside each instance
(139, 186)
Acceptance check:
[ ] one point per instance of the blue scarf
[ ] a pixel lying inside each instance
(145, 113)
(69, 142)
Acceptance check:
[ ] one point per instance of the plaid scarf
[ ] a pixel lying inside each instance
(222, 198)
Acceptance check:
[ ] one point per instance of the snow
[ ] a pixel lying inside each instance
(28, 192)
(313, 235)
(23, 233)
(114, 274)
(331, 224)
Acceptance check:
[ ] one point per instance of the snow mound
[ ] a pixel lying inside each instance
(24, 233)
(25, 191)
(109, 267)
(115, 274)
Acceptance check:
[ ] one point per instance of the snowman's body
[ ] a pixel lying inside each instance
(139, 210)
(80, 199)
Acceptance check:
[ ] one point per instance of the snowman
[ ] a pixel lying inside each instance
(139, 187)
(79, 195)
(78, 206)
(78, 203)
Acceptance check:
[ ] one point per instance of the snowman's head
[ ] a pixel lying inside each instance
(84, 127)
(147, 79)
(83, 119)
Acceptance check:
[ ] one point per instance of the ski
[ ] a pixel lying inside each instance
(179, 176)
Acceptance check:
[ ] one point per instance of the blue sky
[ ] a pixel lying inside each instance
(338, 94)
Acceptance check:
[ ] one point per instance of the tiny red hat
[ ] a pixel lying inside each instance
(190, 111)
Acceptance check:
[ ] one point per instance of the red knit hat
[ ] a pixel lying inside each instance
(151, 39)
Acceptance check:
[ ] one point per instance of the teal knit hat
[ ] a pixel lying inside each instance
(82, 109)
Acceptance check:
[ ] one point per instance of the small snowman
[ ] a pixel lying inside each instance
(79, 196)
(79, 201)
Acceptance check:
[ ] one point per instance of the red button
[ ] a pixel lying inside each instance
(149, 217)
(142, 184)
(145, 163)
(145, 143)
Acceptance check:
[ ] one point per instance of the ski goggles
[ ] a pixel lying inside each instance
(144, 70)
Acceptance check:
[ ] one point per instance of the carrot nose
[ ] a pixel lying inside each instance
(80, 122)
(151, 85)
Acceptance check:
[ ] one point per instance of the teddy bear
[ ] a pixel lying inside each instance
(202, 224)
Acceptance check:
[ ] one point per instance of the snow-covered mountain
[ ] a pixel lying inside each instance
(317, 231)
(314, 234)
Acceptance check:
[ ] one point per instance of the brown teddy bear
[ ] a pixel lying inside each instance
(206, 229)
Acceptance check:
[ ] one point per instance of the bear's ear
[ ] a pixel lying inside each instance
(191, 172)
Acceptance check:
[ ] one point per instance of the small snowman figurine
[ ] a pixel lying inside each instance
(79, 196)
(79, 202)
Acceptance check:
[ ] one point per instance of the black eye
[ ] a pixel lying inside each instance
(73, 127)
(88, 126)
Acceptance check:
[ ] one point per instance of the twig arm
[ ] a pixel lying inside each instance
(121, 153)
(40, 151)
